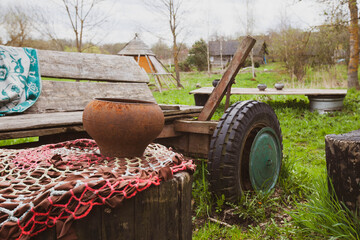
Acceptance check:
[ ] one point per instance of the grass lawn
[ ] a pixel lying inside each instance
(288, 212)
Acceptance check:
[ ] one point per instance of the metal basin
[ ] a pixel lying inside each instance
(324, 104)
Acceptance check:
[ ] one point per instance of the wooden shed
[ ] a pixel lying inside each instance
(260, 51)
(221, 52)
(148, 61)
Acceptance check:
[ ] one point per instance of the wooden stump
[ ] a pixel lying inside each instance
(159, 212)
(343, 166)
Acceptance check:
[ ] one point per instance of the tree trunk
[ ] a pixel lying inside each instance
(343, 167)
(354, 46)
(176, 62)
(252, 63)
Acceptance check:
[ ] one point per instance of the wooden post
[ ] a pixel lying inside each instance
(228, 94)
(343, 167)
(159, 212)
(219, 91)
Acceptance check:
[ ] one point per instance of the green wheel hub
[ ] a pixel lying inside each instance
(265, 160)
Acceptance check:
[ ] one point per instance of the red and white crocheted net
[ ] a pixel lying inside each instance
(58, 183)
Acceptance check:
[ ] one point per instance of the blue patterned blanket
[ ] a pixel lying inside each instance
(20, 82)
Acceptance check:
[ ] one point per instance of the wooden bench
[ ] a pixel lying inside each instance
(57, 116)
(322, 100)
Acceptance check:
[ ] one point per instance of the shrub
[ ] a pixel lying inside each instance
(198, 55)
(185, 66)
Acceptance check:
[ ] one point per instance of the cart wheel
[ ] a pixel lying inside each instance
(245, 150)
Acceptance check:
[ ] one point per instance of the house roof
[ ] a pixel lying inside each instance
(136, 47)
(229, 47)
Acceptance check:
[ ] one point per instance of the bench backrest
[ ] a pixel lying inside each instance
(108, 75)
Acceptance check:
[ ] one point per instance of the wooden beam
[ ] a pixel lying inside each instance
(203, 127)
(177, 112)
(168, 131)
(188, 115)
(216, 96)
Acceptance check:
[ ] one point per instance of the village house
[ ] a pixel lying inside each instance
(222, 52)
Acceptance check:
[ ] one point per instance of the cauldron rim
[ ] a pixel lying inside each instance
(124, 100)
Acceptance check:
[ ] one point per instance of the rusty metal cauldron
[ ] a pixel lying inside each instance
(122, 127)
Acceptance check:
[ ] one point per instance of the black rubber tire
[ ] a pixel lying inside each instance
(230, 147)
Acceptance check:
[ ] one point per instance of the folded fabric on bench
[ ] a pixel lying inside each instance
(53, 185)
(20, 83)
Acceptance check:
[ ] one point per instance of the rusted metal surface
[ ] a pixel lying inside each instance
(122, 127)
(227, 79)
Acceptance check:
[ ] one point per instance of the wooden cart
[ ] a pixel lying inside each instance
(244, 148)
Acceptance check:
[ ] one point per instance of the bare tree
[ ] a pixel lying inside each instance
(17, 25)
(161, 50)
(290, 45)
(249, 30)
(328, 44)
(337, 12)
(353, 81)
(249, 27)
(80, 16)
(173, 11)
(84, 17)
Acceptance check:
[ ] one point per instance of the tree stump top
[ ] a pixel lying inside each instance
(353, 136)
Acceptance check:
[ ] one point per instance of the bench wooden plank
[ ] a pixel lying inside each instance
(56, 119)
(36, 121)
(273, 91)
(42, 132)
(90, 66)
(57, 96)
(41, 124)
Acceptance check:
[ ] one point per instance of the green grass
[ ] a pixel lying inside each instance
(212, 230)
(324, 217)
(18, 141)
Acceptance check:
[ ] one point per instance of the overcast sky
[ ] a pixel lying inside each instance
(202, 18)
